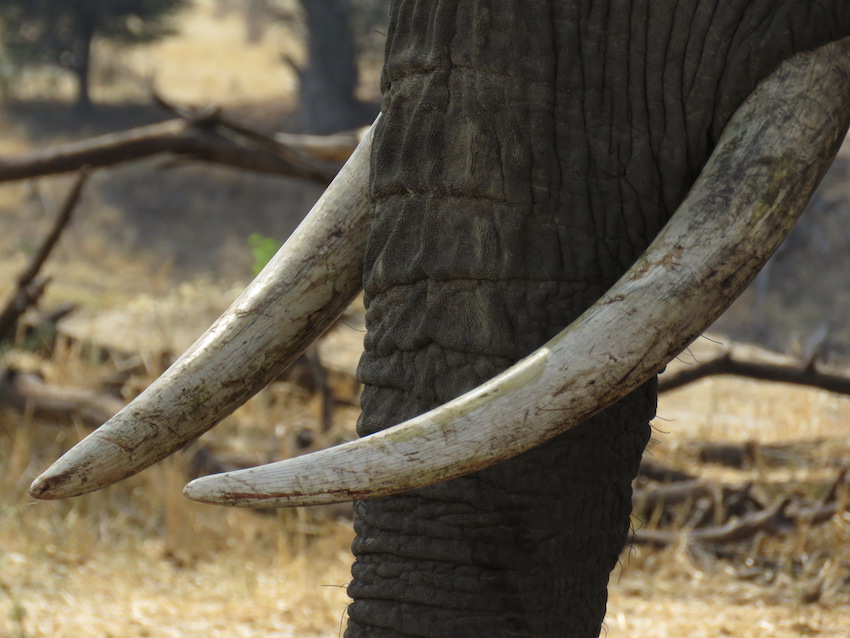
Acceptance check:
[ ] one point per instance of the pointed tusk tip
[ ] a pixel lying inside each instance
(229, 488)
(202, 491)
(39, 490)
(189, 491)
(50, 487)
(64, 480)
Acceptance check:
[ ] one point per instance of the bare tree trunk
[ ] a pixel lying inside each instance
(329, 79)
(81, 63)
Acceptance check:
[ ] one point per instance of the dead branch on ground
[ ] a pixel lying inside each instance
(781, 519)
(674, 493)
(197, 134)
(331, 148)
(30, 286)
(652, 470)
(773, 520)
(744, 516)
(757, 363)
(30, 395)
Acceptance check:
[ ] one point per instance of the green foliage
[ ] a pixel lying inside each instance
(59, 32)
(262, 250)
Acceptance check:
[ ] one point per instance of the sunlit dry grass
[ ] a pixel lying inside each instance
(138, 560)
(797, 585)
(209, 62)
(163, 569)
(207, 41)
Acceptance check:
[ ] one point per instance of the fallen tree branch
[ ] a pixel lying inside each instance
(772, 520)
(29, 394)
(832, 494)
(202, 136)
(30, 287)
(832, 503)
(737, 455)
(334, 148)
(653, 470)
(757, 363)
(674, 494)
(784, 517)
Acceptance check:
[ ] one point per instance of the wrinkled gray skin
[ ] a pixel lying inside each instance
(529, 151)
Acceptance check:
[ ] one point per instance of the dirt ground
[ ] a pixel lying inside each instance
(156, 252)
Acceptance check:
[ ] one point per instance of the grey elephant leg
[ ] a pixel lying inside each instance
(528, 153)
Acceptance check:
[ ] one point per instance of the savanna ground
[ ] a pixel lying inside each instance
(164, 248)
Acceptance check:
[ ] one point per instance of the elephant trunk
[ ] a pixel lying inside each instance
(485, 242)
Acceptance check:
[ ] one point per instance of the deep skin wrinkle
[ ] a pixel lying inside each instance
(529, 152)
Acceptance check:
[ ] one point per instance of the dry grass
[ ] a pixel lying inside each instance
(223, 575)
(138, 560)
(791, 586)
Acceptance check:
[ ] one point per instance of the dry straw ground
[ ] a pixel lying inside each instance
(137, 560)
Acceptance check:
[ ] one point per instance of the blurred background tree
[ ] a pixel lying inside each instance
(328, 80)
(341, 37)
(60, 32)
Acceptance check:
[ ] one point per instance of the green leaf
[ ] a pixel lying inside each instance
(262, 250)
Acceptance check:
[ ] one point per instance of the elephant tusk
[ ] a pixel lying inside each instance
(764, 170)
(305, 287)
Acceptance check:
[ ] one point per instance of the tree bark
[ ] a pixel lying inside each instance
(211, 140)
(749, 361)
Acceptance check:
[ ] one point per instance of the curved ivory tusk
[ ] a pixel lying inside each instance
(304, 288)
(771, 156)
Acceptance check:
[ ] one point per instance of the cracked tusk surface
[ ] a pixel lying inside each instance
(305, 287)
(764, 170)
